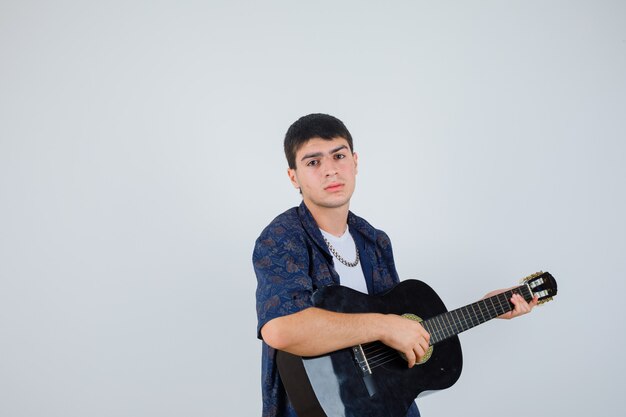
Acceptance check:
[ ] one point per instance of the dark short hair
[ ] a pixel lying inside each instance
(316, 125)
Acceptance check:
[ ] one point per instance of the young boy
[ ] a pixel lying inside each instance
(322, 243)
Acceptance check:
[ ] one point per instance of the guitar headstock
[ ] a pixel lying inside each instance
(542, 284)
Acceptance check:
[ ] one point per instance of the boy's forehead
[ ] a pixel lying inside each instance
(317, 144)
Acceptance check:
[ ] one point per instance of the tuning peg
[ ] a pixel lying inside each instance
(544, 300)
(531, 276)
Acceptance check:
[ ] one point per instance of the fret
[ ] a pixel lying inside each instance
(484, 311)
(498, 307)
(466, 322)
(471, 316)
(438, 331)
(505, 304)
(455, 321)
(427, 326)
(476, 315)
(462, 320)
(442, 326)
(448, 327)
(495, 310)
(431, 328)
(439, 327)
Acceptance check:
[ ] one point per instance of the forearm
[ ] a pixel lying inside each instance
(314, 331)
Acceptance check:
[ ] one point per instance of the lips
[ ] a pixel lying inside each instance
(333, 186)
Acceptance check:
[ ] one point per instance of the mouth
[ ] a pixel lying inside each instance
(335, 186)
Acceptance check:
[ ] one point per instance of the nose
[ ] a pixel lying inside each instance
(331, 168)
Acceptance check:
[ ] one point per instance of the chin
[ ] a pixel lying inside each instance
(335, 203)
(330, 201)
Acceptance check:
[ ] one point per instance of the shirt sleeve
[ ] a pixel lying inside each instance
(281, 265)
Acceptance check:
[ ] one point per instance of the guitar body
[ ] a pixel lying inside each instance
(334, 385)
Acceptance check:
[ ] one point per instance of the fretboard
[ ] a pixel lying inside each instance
(456, 321)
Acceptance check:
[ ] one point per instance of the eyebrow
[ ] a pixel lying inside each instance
(318, 154)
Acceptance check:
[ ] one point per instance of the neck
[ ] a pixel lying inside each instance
(333, 220)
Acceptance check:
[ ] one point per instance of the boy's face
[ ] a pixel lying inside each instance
(325, 173)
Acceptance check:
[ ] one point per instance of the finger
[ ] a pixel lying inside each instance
(518, 301)
(419, 353)
(410, 358)
(520, 305)
(535, 301)
(524, 305)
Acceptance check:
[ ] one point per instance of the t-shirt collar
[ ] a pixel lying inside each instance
(355, 223)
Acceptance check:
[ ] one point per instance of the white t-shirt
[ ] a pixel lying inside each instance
(348, 276)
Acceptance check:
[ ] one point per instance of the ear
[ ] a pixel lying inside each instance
(356, 162)
(291, 173)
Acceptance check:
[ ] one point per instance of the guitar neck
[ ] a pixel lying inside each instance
(453, 322)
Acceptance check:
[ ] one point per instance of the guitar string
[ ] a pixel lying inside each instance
(388, 354)
(379, 350)
(373, 347)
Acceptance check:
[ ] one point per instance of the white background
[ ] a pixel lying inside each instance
(141, 156)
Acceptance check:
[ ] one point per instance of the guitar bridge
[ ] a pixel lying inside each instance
(361, 360)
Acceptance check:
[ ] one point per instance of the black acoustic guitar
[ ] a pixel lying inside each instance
(373, 380)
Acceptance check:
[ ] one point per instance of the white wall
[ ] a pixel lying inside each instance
(141, 155)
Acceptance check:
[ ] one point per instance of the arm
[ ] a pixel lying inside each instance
(289, 322)
(315, 331)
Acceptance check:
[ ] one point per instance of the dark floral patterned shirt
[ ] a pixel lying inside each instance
(291, 261)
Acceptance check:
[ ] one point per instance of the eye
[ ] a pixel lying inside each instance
(339, 156)
(312, 163)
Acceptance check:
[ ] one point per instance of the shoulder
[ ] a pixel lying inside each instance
(285, 224)
(284, 232)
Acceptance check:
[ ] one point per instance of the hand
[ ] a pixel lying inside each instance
(406, 336)
(521, 306)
